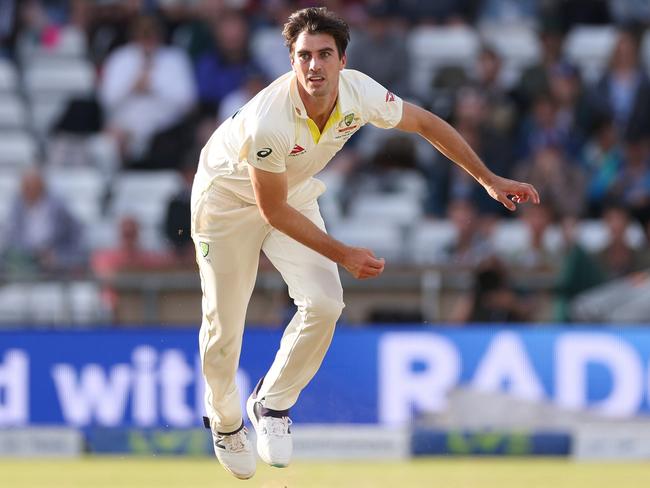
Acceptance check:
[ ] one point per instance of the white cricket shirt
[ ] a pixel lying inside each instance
(273, 132)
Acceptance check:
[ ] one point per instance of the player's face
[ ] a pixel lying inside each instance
(317, 64)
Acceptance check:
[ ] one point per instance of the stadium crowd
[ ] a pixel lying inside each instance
(105, 105)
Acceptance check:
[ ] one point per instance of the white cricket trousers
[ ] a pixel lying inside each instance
(229, 234)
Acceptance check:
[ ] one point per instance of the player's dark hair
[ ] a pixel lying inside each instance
(316, 20)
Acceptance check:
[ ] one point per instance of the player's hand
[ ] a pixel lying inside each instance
(362, 263)
(510, 192)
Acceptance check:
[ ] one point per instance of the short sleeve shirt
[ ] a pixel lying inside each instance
(273, 132)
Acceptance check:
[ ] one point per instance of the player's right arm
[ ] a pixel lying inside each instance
(271, 196)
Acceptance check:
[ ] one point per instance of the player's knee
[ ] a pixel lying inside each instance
(325, 309)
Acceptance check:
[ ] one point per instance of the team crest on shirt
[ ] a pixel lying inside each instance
(205, 248)
(348, 125)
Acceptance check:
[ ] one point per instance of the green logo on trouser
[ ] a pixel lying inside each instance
(205, 248)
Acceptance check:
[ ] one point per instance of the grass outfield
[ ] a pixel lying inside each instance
(100, 472)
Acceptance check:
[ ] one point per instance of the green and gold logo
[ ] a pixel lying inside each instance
(205, 248)
(349, 118)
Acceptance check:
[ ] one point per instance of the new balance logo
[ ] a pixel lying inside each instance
(297, 149)
(390, 97)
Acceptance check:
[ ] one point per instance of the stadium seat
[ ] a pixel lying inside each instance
(518, 46)
(384, 239)
(8, 76)
(433, 47)
(270, 52)
(45, 110)
(13, 113)
(82, 190)
(102, 233)
(393, 208)
(645, 50)
(509, 237)
(85, 303)
(13, 303)
(60, 76)
(144, 195)
(47, 303)
(512, 237)
(410, 182)
(104, 153)
(71, 44)
(38, 303)
(17, 149)
(330, 201)
(429, 239)
(589, 48)
(594, 236)
(9, 187)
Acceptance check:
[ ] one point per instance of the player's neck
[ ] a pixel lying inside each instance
(319, 109)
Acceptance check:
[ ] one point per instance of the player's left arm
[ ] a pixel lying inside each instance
(450, 143)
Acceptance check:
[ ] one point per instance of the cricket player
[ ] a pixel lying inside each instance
(255, 191)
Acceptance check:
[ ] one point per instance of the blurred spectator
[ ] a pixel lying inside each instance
(626, 11)
(38, 31)
(380, 52)
(43, 237)
(545, 127)
(569, 13)
(492, 299)
(577, 271)
(252, 83)
(573, 112)
(558, 181)
(439, 12)
(146, 88)
(190, 24)
(107, 24)
(177, 217)
(379, 172)
(508, 12)
(618, 258)
(644, 251)
(471, 245)
(538, 255)
(535, 79)
(127, 256)
(632, 185)
(224, 69)
(489, 81)
(602, 158)
(8, 25)
(624, 90)
(447, 181)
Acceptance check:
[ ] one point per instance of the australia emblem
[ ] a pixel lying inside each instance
(205, 248)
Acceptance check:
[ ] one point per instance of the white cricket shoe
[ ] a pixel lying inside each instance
(273, 429)
(234, 451)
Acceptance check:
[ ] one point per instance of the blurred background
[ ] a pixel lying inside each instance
(105, 106)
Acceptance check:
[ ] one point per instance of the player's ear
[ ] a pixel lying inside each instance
(344, 60)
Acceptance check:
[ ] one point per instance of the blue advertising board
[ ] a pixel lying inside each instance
(150, 378)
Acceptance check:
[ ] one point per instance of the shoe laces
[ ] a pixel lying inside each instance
(236, 442)
(276, 426)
